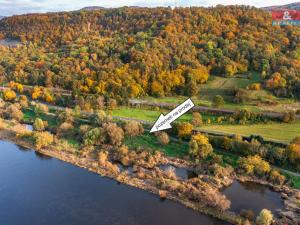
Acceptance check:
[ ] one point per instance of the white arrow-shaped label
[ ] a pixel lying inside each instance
(164, 121)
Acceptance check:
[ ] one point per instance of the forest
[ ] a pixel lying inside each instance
(131, 52)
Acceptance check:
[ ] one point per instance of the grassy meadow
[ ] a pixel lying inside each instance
(284, 132)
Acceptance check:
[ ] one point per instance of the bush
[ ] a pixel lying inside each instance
(254, 86)
(218, 101)
(13, 112)
(248, 214)
(293, 153)
(276, 155)
(197, 119)
(39, 125)
(9, 95)
(114, 134)
(242, 116)
(254, 165)
(83, 129)
(112, 104)
(94, 137)
(296, 141)
(276, 177)
(199, 147)
(163, 138)
(133, 128)
(265, 217)
(100, 102)
(99, 118)
(184, 130)
(102, 158)
(288, 117)
(42, 139)
(40, 108)
(23, 101)
(65, 129)
(66, 116)
(222, 142)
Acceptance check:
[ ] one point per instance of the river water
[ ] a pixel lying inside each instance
(40, 190)
(9, 42)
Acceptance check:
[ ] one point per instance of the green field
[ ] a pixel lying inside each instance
(284, 132)
(151, 115)
(148, 141)
(144, 114)
(174, 148)
(29, 117)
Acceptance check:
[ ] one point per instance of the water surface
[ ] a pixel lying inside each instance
(40, 190)
(180, 172)
(9, 42)
(249, 195)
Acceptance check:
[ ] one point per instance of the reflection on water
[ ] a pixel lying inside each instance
(249, 195)
(48, 192)
(21, 148)
(42, 156)
(182, 173)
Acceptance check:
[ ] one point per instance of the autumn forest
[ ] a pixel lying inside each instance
(131, 52)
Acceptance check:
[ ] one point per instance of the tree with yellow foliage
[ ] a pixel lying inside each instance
(254, 165)
(199, 146)
(9, 95)
(43, 139)
(184, 129)
(293, 153)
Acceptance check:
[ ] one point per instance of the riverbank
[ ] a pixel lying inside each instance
(148, 177)
(141, 178)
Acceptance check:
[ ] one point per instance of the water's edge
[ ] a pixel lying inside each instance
(92, 166)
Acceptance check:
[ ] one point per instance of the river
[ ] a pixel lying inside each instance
(9, 43)
(40, 190)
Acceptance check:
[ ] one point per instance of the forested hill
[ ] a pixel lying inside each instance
(293, 6)
(129, 52)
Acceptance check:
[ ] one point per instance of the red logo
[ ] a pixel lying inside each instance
(285, 15)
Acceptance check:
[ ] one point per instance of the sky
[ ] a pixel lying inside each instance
(14, 7)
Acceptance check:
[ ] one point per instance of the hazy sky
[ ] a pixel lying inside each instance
(11, 7)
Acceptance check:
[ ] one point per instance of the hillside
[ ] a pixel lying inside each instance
(133, 52)
(295, 6)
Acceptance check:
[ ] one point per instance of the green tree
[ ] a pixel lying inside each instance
(218, 101)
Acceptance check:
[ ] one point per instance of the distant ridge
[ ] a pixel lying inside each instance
(1, 17)
(91, 8)
(295, 5)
